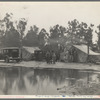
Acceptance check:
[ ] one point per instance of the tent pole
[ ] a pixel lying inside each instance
(88, 52)
(21, 46)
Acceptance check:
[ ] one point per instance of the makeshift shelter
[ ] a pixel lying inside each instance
(28, 52)
(82, 54)
(79, 53)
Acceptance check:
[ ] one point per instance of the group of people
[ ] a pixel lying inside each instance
(50, 57)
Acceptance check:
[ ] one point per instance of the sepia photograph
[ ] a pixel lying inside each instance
(50, 48)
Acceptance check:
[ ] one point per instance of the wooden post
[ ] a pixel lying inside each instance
(88, 52)
(87, 77)
(21, 46)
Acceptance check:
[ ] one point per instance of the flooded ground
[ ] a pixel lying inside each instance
(30, 81)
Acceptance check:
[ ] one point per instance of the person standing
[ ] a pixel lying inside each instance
(75, 56)
(48, 57)
(53, 57)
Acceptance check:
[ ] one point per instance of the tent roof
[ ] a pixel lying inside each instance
(84, 49)
(31, 49)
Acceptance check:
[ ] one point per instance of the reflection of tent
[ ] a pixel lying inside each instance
(28, 52)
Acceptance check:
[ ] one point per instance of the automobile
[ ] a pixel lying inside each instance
(10, 53)
(38, 55)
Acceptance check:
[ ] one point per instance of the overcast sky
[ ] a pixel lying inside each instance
(46, 14)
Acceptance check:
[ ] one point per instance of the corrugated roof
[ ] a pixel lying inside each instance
(85, 50)
(31, 49)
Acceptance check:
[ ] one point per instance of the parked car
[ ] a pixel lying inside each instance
(10, 53)
(39, 55)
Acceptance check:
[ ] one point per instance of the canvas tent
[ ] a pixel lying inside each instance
(28, 52)
(83, 48)
(81, 54)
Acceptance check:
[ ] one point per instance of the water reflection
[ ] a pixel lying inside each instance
(30, 81)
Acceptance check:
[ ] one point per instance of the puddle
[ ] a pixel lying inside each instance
(30, 81)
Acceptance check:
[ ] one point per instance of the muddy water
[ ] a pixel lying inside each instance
(29, 81)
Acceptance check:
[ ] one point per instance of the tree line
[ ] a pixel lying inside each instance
(13, 34)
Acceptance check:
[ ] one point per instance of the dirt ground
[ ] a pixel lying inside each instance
(88, 89)
(37, 64)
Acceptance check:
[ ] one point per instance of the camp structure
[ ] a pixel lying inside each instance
(79, 53)
(17, 53)
(28, 52)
